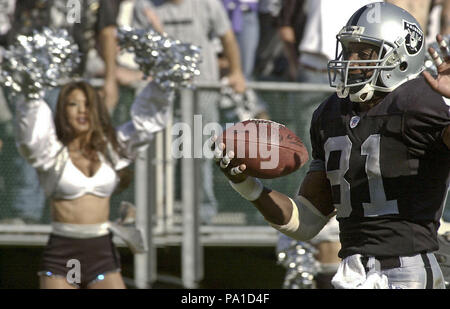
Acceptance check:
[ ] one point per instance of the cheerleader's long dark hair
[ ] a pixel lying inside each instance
(101, 131)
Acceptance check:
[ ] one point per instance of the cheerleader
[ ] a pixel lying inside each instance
(81, 161)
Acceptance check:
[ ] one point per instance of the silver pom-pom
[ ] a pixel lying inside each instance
(301, 265)
(44, 60)
(170, 63)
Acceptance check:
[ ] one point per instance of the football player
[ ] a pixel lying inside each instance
(381, 158)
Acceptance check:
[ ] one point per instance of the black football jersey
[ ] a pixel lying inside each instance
(388, 168)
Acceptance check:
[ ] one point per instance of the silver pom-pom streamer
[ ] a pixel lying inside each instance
(301, 265)
(170, 63)
(43, 60)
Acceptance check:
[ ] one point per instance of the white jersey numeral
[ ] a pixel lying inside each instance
(378, 204)
(336, 177)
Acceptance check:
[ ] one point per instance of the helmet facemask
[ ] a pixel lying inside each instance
(360, 86)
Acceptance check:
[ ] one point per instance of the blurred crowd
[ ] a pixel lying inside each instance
(241, 41)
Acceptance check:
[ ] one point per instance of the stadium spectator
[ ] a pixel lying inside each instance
(445, 17)
(244, 19)
(375, 173)
(291, 22)
(198, 22)
(434, 21)
(179, 21)
(317, 48)
(144, 15)
(422, 11)
(133, 13)
(419, 9)
(81, 161)
(438, 20)
(270, 63)
(245, 24)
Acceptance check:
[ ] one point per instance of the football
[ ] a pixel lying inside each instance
(268, 149)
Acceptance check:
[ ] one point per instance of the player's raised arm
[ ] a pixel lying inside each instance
(442, 83)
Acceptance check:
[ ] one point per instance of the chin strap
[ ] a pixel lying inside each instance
(341, 91)
(368, 90)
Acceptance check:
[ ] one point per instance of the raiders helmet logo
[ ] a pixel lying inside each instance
(413, 39)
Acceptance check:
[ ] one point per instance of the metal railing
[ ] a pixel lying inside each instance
(192, 257)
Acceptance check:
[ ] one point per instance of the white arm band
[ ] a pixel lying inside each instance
(306, 221)
(250, 189)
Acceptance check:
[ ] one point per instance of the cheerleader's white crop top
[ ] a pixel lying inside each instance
(73, 183)
(38, 143)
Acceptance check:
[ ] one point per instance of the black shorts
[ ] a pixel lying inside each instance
(81, 261)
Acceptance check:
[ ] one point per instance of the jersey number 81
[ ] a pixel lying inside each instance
(378, 204)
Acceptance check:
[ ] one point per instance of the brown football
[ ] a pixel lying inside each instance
(268, 149)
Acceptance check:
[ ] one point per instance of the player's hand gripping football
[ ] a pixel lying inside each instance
(223, 158)
(442, 83)
(249, 188)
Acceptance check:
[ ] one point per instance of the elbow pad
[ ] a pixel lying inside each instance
(306, 221)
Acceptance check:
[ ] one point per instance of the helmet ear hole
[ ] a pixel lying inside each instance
(403, 66)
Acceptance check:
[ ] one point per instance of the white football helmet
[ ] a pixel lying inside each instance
(401, 53)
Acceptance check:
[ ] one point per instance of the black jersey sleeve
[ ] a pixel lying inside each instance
(426, 115)
(314, 132)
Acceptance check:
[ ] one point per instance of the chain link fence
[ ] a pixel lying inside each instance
(22, 200)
